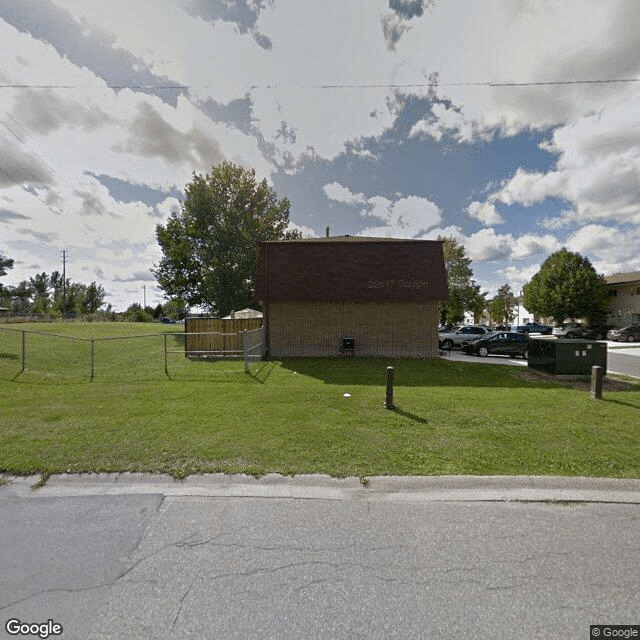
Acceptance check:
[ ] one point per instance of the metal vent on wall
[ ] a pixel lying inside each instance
(347, 344)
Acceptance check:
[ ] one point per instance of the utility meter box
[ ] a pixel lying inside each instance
(347, 345)
(567, 357)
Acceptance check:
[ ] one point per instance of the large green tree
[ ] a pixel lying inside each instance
(5, 265)
(210, 245)
(464, 292)
(502, 305)
(42, 293)
(567, 286)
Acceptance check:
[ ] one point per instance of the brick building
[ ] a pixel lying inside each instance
(377, 295)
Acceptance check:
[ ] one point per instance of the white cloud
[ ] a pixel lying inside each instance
(403, 217)
(518, 276)
(167, 207)
(406, 217)
(451, 231)
(528, 188)
(486, 245)
(335, 191)
(605, 243)
(307, 232)
(485, 212)
(445, 120)
(152, 136)
(529, 245)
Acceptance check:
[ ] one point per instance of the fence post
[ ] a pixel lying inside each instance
(166, 371)
(596, 382)
(24, 350)
(92, 356)
(389, 399)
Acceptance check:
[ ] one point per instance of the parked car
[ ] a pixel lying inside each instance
(597, 331)
(569, 330)
(533, 327)
(506, 343)
(451, 339)
(168, 321)
(630, 333)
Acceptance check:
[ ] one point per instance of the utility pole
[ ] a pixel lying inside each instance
(64, 283)
(144, 296)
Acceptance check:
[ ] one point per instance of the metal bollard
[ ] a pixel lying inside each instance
(389, 399)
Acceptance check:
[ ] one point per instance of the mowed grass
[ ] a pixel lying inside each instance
(292, 416)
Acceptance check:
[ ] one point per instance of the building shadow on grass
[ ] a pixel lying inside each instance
(412, 372)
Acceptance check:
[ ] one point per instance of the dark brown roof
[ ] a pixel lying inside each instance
(351, 269)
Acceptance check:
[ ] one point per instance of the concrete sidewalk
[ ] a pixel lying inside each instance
(317, 486)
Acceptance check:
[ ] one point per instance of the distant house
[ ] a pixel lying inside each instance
(348, 294)
(624, 292)
(243, 314)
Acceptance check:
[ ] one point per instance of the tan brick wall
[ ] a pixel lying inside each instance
(379, 329)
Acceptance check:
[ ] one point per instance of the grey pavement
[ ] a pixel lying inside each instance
(622, 358)
(215, 556)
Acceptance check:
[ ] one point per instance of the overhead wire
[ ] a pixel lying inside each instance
(87, 198)
(409, 85)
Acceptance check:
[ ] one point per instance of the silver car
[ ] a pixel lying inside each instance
(569, 330)
(455, 338)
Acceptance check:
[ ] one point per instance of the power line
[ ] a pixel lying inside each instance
(435, 85)
(86, 197)
(411, 85)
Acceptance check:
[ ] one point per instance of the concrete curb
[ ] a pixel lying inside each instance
(546, 489)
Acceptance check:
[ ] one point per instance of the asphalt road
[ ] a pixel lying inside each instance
(622, 359)
(134, 557)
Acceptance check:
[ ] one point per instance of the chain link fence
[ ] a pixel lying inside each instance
(50, 355)
(252, 347)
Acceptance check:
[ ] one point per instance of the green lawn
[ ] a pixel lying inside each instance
(292, 416)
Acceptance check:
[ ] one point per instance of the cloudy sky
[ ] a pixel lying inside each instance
(513, 125)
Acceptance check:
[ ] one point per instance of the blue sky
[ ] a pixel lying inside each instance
(512, 125)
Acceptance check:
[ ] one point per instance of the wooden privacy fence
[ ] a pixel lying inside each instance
(217, 336)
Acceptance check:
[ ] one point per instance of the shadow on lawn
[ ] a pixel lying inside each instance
(410, 416)
(621, 402)
(411, 372)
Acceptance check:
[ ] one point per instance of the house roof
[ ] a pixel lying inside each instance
(351, 269)
(623, 278)
(243, 313)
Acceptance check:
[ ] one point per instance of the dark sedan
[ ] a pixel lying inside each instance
(505, 343)
(597, 331)
(533, 327)
(626, 334)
